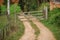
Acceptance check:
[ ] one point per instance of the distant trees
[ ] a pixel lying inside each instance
(29, 5)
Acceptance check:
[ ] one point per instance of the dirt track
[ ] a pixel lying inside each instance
(29, 32)
(45, 33)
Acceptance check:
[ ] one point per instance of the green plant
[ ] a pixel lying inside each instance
(3, 9)
(57, 20)
(54, 17)
(14, 8)
(53, 23)
(18, 28)
(42, 6)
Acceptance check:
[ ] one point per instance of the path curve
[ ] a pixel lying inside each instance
(45, 33)
(29, 32)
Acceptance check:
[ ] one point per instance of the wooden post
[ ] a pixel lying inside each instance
(46, 12)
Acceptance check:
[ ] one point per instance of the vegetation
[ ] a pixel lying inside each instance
(37, 31)
(29, 5)
(55, 18)
(14, 8)
(3, 10)
(19, 29)
(16, 22)
(13, 29)
(43, 5)
(3, 21)
(32, 5)
(3, 18)
(53, 22)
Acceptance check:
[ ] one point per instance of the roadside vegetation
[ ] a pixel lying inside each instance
(13, 28)
(18, 30)
(53, 22)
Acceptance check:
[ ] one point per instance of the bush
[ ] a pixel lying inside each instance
(54, 17)
(57, 20)
(14, 8)
(42, 6)
(3, 9)
(53, 22)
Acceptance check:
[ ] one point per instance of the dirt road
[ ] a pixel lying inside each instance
(29, 32)
(45, 33)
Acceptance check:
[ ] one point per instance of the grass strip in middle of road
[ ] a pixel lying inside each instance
(37, 31)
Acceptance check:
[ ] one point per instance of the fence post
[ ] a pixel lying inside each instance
(46, 12)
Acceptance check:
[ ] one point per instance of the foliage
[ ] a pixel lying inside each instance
(3, 9)
(53, 23)
(33, 5)
(54, 17)
(55, 30)
(14, 30)
(19, 30)
(14, 8)
(29, 5)
(42, 5)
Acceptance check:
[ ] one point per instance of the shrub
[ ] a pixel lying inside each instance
(54, 17)
(3, 9)
(57, 20)
(14, 8)
(42, 6)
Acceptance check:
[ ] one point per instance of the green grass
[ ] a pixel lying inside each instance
(55, 30)
(3, 21)
(37, 31)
